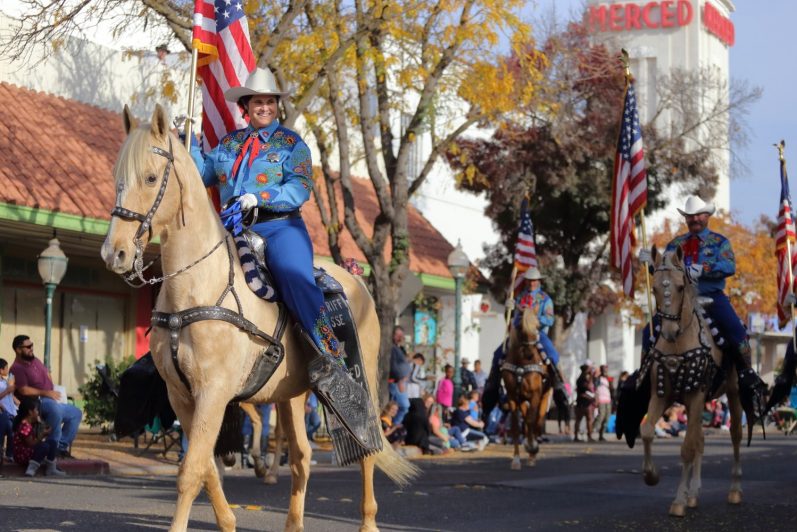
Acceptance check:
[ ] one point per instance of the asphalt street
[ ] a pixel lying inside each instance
(575, 486)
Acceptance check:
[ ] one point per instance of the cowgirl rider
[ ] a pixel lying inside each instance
(268, 166)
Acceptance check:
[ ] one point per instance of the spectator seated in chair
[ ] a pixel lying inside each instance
(394, 432)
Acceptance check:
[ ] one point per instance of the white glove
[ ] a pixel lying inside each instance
(510, 304)
(790, 300)
(646, 257)
(695, 271)
(247, 201)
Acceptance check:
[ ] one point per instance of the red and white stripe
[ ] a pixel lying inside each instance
(226, 60)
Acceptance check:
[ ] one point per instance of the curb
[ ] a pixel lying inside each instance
(70, 467)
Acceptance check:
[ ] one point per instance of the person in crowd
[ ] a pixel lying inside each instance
(709, 260)
(34, 444)
(604, 393)
(675, 416)
(445, 389)
(266, 170)
(479, 376)
(466, 376)
(399, 375)
(394, 432)
(471, 428)
(585, 400)
(439, 431)
(563, 412)
(473, 405)
(416, 386)
(33, 380)
(312, 420)
(8, 411)
(419, 430)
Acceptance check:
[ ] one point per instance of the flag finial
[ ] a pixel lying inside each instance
(626, 62)
(781, 146)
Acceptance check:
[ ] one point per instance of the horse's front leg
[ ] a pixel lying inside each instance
(735, 407)
(648, 432)
(273, 470)
(291, 417)
(695, 411)
(198, 467)
(538, 424)
(513, 410)
(691, 451)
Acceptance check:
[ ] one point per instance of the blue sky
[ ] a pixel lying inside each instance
(762, 56)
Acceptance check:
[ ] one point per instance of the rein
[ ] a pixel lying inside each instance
(667, 294)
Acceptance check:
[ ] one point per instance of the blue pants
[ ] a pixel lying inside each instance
(723, 317)
(312, 422)
(550, 350)
(6, 434)
(63, 418)
(289, 255)
(403, 401)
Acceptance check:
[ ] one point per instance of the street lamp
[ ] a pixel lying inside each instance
(458, 264)
(52, 267)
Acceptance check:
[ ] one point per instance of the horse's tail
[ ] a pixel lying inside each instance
(396, 467)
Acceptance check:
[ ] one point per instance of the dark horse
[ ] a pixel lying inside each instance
(528, 385)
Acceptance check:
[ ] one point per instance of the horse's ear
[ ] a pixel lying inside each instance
(129, 120)
(160, 122)
(656, 256)
(679, 254)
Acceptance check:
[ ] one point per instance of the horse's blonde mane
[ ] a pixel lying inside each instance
(135, 157)
(530, 323)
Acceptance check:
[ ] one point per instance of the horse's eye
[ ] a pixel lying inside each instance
(150, 179)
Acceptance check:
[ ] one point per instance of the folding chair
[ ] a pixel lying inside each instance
(168, 436)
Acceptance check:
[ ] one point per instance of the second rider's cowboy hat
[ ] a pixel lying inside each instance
(533, 274)
(695, 205)
(260, 81)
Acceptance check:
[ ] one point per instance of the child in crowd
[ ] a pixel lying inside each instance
(8, 411)
(473, 405)
(470, 427)
(445, 389)
(394, 432)
(32, 445)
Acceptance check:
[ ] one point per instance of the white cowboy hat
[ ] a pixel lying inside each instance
(533, 274)
(695, 205)
(260, 81)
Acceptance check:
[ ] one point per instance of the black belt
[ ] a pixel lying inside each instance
(268, 216)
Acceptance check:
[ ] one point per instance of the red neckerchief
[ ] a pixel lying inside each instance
(253, 142)
(691, 248)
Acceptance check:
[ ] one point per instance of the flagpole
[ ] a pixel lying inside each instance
(508, 313)
(781, 148)
(189, 122)
(626, 63)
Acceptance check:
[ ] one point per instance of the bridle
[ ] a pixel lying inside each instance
(667, 293)
(136, 274)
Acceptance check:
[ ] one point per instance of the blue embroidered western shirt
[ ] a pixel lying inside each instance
(714, 252)
(280, 175)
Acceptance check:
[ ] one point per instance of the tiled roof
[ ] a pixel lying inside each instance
(58, 155)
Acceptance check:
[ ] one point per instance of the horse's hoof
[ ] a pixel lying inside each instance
(260, 469)
(677, 510)
(270, 479)
(228, 459)
(515, 464)
(691, 502)
(532, 462)
(735, 497)
(651, 477)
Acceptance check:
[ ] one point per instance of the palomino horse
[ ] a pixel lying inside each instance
(528, 385)
(215, 356)
(681, 366)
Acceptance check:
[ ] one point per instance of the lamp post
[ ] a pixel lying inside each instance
(458, 264)
(52, 267)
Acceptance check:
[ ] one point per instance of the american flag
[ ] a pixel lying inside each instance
(629, 189)
(525, 250)
(784, 235)
(221, 35)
